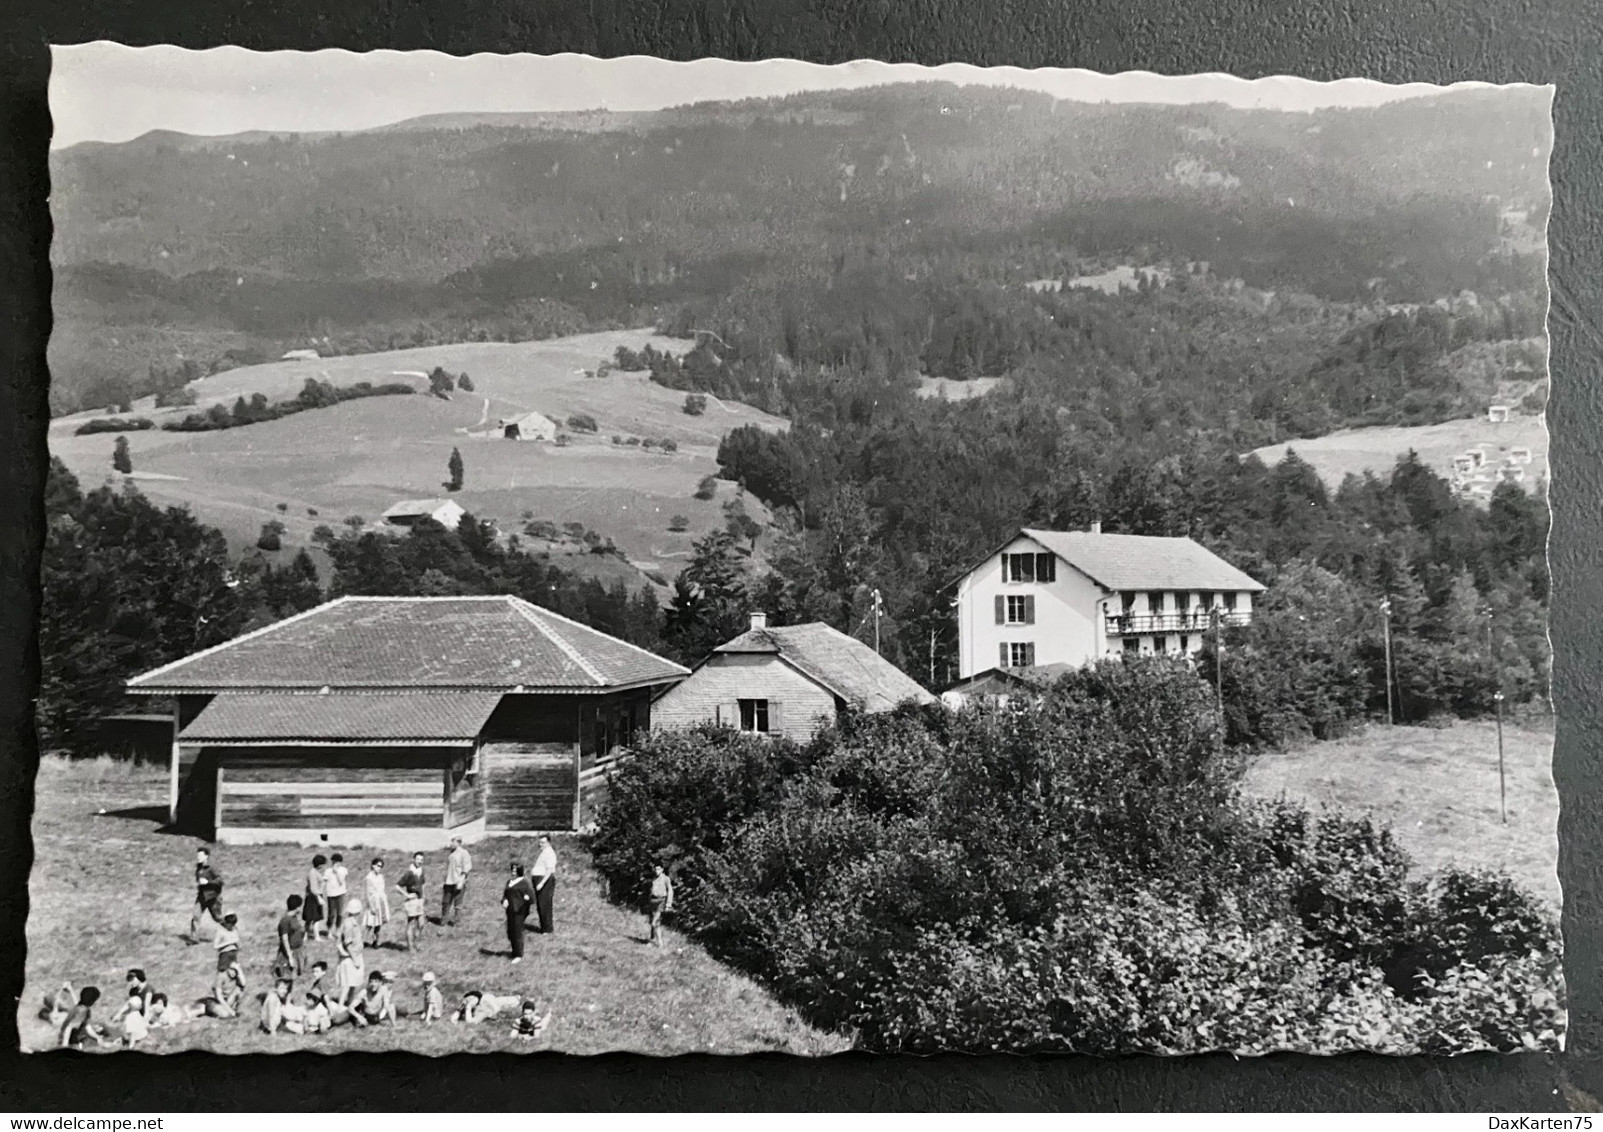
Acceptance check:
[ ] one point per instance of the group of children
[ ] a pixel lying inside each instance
(326, 910)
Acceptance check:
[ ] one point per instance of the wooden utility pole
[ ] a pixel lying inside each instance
(1502, 783)
(876, 620)
(932, 658)
(1385, 616)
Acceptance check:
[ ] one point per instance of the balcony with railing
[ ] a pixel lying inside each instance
(1188, 621)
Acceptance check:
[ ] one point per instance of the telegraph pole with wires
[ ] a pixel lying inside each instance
(879, 608)
(1385, 617)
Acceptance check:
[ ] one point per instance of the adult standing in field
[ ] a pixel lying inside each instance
(661, 901)
(457, 867)
(335, 889)
(412, 886)
(291, 941)
(351, 973)
(313, 910)
(208, 893)
(376, 899)
(517, 898)
(545, 883)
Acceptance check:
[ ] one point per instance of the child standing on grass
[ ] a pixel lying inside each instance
(226, 941)
(79, 1025)
(433, 1000)
(376, 899)
(411, 886)
(348, 942)
(335, 890)
(313, 910)
(291, 940)
(661, 901)
(208, 893)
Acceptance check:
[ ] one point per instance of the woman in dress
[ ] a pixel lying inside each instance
(312, 906)
(351, 974)
(376, 900)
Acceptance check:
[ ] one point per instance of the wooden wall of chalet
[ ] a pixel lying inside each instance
(528, 763)
(330, 787)
(197, 776)
(464, 793)
(537, 750)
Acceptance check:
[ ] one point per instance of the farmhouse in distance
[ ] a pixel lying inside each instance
(403, 721)
(788, 681)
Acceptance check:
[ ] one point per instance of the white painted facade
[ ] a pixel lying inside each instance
(1074, 620)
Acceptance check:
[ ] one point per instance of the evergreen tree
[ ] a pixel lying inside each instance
(455, 468)
(121, 460)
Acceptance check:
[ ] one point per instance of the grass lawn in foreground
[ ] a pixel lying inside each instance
(109, 891)
(1437, 789)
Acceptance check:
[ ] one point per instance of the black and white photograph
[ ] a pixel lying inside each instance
(551, 553)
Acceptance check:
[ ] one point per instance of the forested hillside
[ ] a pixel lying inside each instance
(230, 250)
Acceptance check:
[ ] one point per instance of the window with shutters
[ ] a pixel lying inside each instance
(1185, 642)
(1182, 600)
(1132, 644)
(1230, 603)
(1029, 568)
(754, 715)
(1018, 654)
(1155, 602)
(1020, 610)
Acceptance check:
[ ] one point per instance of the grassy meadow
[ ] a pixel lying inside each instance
(110, 891)
(359, 457)
(1376, 450)
(1437, 789)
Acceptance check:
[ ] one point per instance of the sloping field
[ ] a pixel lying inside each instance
(359, 457)
(1437, 788)
(1377, 449)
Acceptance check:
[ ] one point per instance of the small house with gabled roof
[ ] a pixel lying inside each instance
(409, 512)
(786, 680)
(1071, 597)
(402, 721)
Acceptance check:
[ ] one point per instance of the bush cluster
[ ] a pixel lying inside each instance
(113, 424)
(314, 394)
(1079, 874)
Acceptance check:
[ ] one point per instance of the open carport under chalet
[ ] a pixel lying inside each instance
(402, 722)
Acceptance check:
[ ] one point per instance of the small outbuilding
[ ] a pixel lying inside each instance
(299, 356)
(530, 426)
(1497, 414)
(997, 686)
(789, 680)
(402, 722)
(446, 512)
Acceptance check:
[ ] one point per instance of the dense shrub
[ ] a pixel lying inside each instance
(679, 523)
(707, 488)
(314, 394)
(695, 404)
(113, 424)
(1074, 873)
(582, 422)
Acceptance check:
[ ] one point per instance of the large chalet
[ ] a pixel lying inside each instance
(402, 722)
(1069, 597)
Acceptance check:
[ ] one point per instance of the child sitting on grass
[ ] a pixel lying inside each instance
(79, 1025)
(135, 1026)
(377, 1003)
(531, 1023)
(58, 1004)
(227, 995)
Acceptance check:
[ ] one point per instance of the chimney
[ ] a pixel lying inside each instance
(1096, 527)
(759, 620)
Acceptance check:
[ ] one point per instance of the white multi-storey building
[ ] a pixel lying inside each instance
(1069, 597)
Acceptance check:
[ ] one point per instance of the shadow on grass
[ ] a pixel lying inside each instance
(154, 814)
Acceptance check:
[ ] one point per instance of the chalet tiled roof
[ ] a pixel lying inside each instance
(1144, 562)
(844, 665)
(487, 643)
(1038, 676)
(381, 717)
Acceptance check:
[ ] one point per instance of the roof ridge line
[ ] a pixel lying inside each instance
(568, 650)
(543, 611)
(241, 639)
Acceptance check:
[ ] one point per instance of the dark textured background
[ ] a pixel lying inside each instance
(1434, 41)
